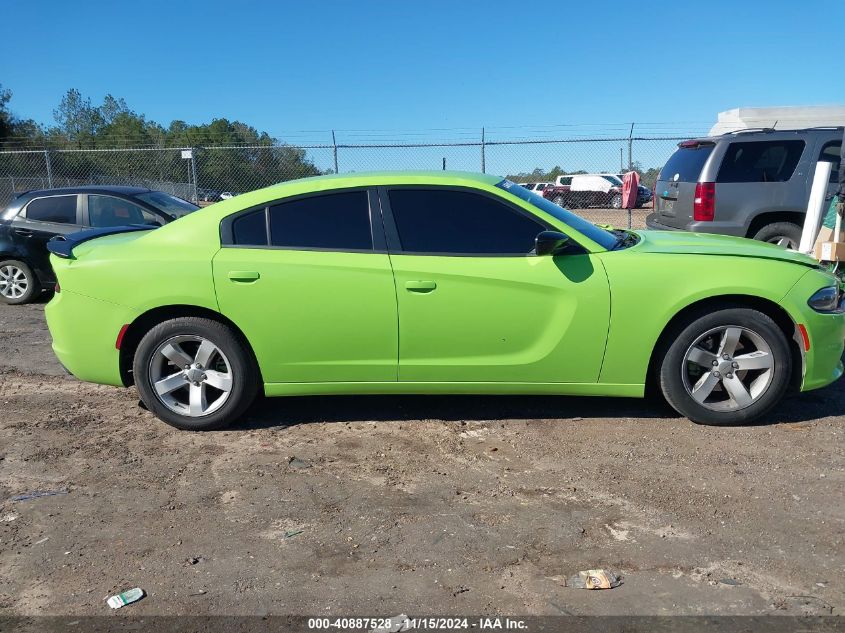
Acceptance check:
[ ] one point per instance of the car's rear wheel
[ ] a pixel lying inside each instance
(18, 284)
(727, 367)
(616, 202)
(195, 374)
(785, 234)
(559, 200)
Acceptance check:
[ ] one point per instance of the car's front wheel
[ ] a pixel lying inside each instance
(726, 367)
(195, 374)
(18, 284)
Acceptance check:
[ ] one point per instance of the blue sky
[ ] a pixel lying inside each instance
(378, 71)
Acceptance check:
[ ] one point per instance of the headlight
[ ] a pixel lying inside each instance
(825, 300)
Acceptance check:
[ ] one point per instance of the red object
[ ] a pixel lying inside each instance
(704, 204)
(805, 336)
(630, 190)
(120, 336)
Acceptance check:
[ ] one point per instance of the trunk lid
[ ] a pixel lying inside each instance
(674, 191)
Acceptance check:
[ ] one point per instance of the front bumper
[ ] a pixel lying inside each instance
(826, 332)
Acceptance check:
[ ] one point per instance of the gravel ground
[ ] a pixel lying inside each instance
(387, 505)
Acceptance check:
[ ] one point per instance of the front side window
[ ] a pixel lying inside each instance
(447, 221)
(106, 211)
(336, 221)
(761, 161)
(56, 209)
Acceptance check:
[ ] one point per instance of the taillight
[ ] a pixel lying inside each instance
(704, 204)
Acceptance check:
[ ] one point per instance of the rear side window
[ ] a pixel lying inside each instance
(761, 161)
(686, 163)
(250, 229)
(566, 181)
(57, 209)
(831, 153)
(459, 222)
(338, 221)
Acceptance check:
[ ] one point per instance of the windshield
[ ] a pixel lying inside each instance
(603, 238)
(171, 205)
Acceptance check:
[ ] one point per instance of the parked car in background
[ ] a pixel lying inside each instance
(208, 195)
(303, 288)
(581, 191)
(644, 194)
(753, 183)
(226, 195)
(34, 217)
(536, 187)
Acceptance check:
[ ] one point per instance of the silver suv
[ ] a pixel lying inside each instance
(753, 183)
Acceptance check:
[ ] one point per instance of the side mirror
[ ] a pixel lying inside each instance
(550, 243)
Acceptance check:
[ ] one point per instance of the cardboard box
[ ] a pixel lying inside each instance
(830, 251)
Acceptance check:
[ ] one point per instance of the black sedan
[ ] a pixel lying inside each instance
(34, 217)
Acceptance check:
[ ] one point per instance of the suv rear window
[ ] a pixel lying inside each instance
(760, 161)
(686, 163)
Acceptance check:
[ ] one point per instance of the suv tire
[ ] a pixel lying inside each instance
(195, 374)
(753, 365)
(18, 284)
(784, 234)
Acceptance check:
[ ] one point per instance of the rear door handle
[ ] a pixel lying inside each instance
(420, 286)
(244, 276)
(24, 232)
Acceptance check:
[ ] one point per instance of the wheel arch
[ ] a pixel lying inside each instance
(770, 217)
(710, 304)
(149, 319)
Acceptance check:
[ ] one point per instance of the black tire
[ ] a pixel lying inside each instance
(786, 234)
(673, 367)
(33, 286)
(242, 371)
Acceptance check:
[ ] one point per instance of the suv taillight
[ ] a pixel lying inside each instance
(704, 204)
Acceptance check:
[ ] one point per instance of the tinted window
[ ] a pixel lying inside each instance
(250, 229)
(831, 154)
(763, 161)
(105, 211)
(566, 181)
(444, 221)
(58, 209)
(687, 163)
(338, 221)
(171, 205)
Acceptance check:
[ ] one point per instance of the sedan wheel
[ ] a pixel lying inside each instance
(191, 376)
(17, 282)
(195, 373)
(728, 368)
(725, 367)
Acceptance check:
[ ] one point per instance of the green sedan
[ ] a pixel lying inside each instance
(435, 283)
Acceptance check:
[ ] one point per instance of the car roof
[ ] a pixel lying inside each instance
(125, 190)
(769, 133)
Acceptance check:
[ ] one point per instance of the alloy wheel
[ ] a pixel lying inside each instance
(784, 242)
(190, 375)
(13, 282)
(728, 368)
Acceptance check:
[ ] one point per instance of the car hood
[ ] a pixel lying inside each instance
(683, 242)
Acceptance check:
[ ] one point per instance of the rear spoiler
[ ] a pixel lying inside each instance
(63, 245)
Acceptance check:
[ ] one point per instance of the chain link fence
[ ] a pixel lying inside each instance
(205, 174)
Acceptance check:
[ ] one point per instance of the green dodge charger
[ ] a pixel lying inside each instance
(435, 282)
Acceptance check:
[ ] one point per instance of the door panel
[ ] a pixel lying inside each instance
(501, 319)
(312, 316)
(32, 235)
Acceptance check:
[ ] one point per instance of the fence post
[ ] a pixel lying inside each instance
(334, 152)
(631, 166)
(194, 172)
(49, 168)
(483, 157)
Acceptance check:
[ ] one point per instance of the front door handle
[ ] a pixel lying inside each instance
(420, 286)
(244, 276)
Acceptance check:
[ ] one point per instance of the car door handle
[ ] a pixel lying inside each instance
(420, 286)
(244, 276)
(24, 232)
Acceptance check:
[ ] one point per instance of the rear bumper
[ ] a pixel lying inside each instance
(653, 222)
(84, 332)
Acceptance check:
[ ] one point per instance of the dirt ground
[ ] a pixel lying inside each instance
(430, 505)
